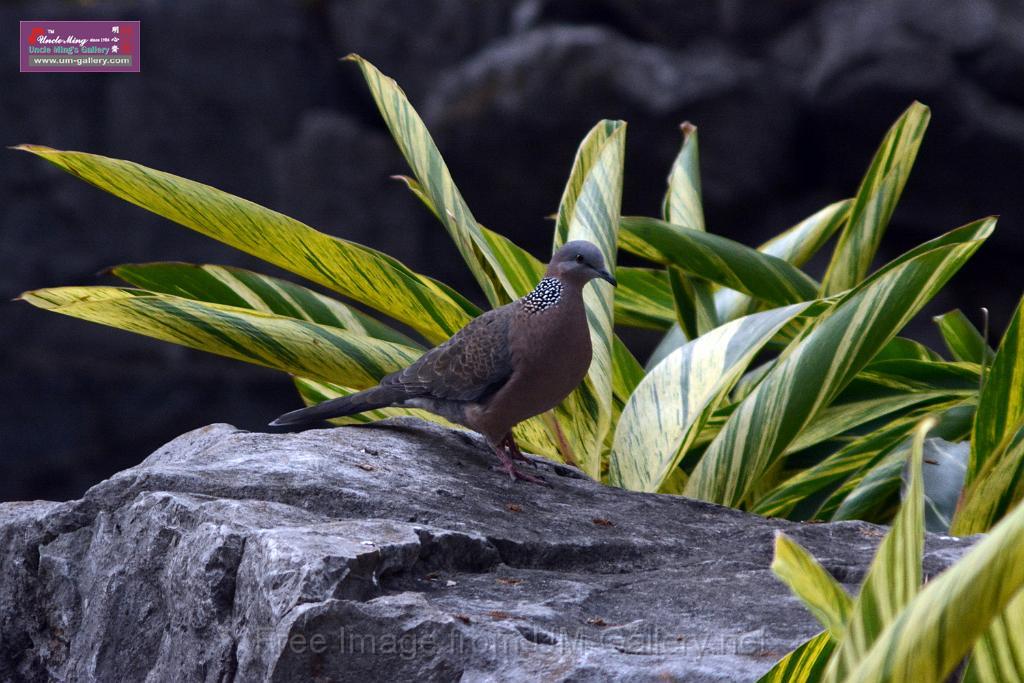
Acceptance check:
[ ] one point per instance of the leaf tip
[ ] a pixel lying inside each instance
(33, 149)
(352, 57)
(688, 128)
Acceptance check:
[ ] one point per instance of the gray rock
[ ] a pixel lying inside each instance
(394, 553)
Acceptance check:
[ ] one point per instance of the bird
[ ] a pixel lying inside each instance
(505, 366)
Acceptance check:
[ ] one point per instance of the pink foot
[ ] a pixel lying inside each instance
(507, 466)
(510, 446)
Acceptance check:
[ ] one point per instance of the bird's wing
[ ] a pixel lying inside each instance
(473, 363)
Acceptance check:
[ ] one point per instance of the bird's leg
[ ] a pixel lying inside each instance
(509, 444)
(509, 467)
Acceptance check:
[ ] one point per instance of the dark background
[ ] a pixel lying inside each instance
(791, 98)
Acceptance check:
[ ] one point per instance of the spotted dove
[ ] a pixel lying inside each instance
(504, 367)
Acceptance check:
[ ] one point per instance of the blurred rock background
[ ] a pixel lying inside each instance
(791, 99)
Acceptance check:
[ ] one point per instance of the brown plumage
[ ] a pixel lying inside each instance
(504, 367)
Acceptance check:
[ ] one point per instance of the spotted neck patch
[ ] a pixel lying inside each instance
(546, 294)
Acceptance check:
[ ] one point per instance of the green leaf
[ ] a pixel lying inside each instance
(815, 587)
(873, 492)
(671, 404)
(727, 263)
(894, 577)
(435, 181)
(928, 640)
(875, 201)
(1001, 405)
(673, 339)
(805, 664)
(795, 246)
(296, 346)
(901, 348)
(999, 655)
(355, 271)
(694, 296)
(997, 489)
(962, 338)
(590, 211)
(643, 298)
(823, 362)
(245, 289)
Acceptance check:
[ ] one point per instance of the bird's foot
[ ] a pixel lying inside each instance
(510, 446)
(509, 468)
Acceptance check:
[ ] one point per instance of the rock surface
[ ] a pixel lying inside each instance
(393, 553)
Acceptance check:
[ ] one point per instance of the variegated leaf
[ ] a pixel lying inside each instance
(962, 338)
(590, 211)
(1001, 404)
(805, 664)
(894, 577)
(810, 582)
(435, 181)
(245, 289)
(931, 636)
(295, 346)
(721, 260)
(355, 271)
(875, 201)
(822, 363)
(674, 400)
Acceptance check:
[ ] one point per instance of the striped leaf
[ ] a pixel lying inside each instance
(1001, 404)
(295, 346)
(822, 363)
(901, 348)
(795, 246)
(962, 338)
(815, 587)
(355, 271)
(245, 289)
(589, 210)
(805, 664)
(997, 489)
(999, 655)
(873, 493)
(435, 181)
(694, 296)
(875, 201)
(721, 260)
(675, 399)
(848, 464)
(894, 577)
(643, 298)
(928, 640)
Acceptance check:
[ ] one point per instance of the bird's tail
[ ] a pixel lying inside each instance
(369, 399)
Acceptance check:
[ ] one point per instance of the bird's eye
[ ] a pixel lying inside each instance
(579, 258)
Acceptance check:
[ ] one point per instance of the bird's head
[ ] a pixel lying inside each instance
(579, 261)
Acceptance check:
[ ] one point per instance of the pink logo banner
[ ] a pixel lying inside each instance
(80, 46)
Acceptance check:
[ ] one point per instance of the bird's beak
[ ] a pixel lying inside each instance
(607, 277)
